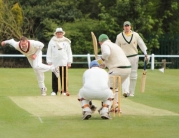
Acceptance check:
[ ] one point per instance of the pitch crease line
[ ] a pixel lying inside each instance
(40, 119)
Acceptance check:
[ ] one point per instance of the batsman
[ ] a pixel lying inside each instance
(115, 60)
(128, 40)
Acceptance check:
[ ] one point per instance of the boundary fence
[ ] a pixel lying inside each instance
(89, 56)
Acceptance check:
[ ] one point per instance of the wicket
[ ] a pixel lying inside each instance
(63, 80)
(116, 81)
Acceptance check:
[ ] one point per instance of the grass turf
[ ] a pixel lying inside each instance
(162, 92)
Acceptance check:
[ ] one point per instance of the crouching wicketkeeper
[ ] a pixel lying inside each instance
(95, 87)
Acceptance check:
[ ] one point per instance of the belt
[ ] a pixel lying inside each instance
(124, 67)
(132, 55)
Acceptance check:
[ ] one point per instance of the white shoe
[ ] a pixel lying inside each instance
(105, 116)
(53, 94)
(132, 95)
(125, 94)
(56, 71)
(43, 91)
(86, 115)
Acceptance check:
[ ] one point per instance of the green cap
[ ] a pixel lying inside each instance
(127, 23)
(103, 37)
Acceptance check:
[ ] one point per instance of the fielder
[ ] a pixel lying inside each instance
(95, 87)
(33, 51)
(115, 60)
(128, 41)
(60, 55)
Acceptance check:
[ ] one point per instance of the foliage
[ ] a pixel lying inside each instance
(10, 24)
(79, 32)
(150, 18)
(17, 14)
(10, 21)
(46, 12)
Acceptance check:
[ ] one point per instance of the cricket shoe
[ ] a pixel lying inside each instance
(105, 116)
(86, 115)
(53, 94)
(126, 94)
(56, 71)
(131, 95)
(43, 91)
(93, 108)
(63, 93)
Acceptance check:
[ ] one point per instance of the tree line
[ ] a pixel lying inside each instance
(154, 20)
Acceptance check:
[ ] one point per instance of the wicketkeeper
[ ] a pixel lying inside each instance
(114, 59)
(33, 51)
(95, 87)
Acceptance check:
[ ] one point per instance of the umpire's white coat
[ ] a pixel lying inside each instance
(95, 86)
(59, 51)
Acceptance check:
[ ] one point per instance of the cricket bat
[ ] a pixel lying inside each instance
(95, 45)
(143, 81)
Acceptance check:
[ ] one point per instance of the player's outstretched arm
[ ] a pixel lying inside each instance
(11, 42)
(3, 43)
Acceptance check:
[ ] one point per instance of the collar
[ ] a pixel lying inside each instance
(129, 34)
(28, 47)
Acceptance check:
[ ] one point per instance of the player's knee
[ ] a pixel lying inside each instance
(133, 75)
(36, 67)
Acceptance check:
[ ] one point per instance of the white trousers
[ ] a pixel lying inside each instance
(39, 68)
(123, 73)
(129, 84)
(89, 95)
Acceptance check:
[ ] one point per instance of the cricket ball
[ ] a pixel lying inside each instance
(67, 94)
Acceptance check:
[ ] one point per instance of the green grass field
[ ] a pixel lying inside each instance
(26, 114)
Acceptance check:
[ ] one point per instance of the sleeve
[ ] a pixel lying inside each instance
(69, 53)
(49, 53)
(117, 40)
(37, 44)
(12, 42)
(142, 45)
(105, 52)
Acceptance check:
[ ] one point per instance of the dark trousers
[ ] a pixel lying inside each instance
(55, 80)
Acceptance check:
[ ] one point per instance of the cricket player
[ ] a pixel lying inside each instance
(33, 51)
(128, 41)
(95, 87)
(59, 54)
(115, 60)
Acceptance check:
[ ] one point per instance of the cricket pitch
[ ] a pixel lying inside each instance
(69, 106)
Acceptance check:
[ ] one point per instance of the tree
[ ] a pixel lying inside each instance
(10, 20)
(45, 12)
(79, 33)
(138, 13)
